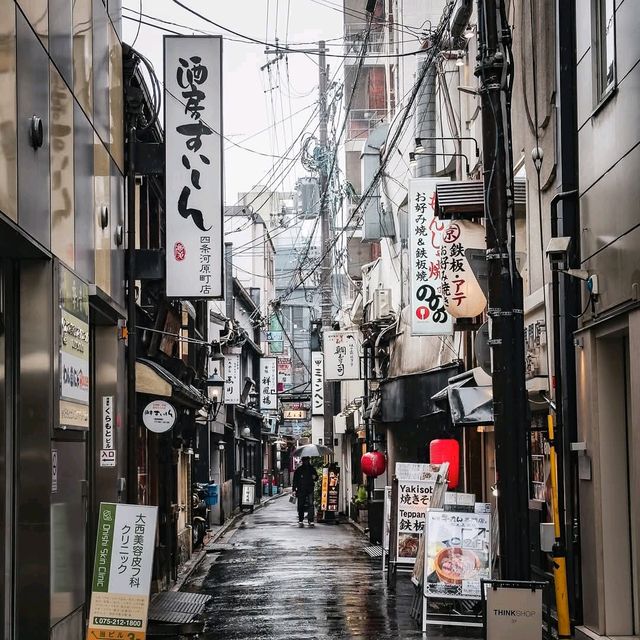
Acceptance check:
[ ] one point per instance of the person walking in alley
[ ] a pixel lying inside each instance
(304, 481)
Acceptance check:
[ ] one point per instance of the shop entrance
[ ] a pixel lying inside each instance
(617, 460)
(7, 412)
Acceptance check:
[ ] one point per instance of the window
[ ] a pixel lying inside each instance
(605, 48)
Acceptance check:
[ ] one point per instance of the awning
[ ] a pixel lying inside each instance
(408, 398)
(470, 398)
(155, 380)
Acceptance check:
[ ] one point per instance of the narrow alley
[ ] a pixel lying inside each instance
(272, 580)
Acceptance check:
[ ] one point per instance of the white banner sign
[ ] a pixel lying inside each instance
(429, 315)
(232, 390)
(317, 383)
(108, 451)
(193, 154)
(341, 355)
(414, 498)
(122, 571)
(268, 384)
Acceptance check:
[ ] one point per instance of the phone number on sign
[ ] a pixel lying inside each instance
(118, 622)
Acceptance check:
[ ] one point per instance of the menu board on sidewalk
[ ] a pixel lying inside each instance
(122, 571)
(458, 553)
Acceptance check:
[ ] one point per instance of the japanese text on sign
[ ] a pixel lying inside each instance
(232, 389)
(317, 383)
(193, 123)
(268, 384)
(341, 355)
(429, 315)
(414, 499)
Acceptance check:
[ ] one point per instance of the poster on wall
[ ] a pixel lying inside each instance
(193, 156)
(341, 355)
(317, 383)
(122, 571)
(268, 384)
(458, 553)
(429, 314)
(232, 388)
(74, 352)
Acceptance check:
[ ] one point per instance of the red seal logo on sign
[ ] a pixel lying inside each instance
(422, 313)
(179, 252)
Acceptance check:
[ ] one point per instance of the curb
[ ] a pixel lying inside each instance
(357, 526)
(198, 557)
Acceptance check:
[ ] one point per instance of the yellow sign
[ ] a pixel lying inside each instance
(325, 489)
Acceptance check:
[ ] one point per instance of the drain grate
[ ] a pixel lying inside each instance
(374, 552)
(177, 606)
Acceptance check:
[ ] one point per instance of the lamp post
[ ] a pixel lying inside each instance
(215, 391)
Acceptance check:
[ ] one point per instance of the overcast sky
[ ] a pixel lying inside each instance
(249, 105)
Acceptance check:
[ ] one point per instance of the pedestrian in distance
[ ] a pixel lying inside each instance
(304, 482)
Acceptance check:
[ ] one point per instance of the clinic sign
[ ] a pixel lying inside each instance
(74, 352)
(429, 314)
(317, 383)
(193, 156)
(341, 355)
(122, 571)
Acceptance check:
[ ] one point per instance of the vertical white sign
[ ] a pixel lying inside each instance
(317, 383)
(268, 384)
(285, 373)
(193, 173)
(429, 315)
(232, 388)
(108, 451)
(341, 355)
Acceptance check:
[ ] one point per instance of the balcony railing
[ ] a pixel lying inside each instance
(362, 121)
(354, 38)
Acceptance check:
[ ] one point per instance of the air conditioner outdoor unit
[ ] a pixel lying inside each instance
(381, 304)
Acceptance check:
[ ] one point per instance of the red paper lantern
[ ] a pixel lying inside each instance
(447, 450)
(373, 464)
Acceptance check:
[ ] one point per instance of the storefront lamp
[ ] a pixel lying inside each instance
(215, 391)
(373, 464)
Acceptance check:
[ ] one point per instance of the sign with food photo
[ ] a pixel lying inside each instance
(414, 498)
(458, 554)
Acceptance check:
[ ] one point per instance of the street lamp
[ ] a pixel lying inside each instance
(215, 391)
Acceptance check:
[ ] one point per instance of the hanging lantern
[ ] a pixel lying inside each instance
(462, 292)
(447, 450)
(373, 464)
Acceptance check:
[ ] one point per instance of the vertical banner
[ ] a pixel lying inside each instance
(429, 315)
(341, 355)
(108, 451)
(268, 384)
(193, 171)
(333, 488)
(122, 571)
(232, 390)
(74, 352)
(285, 373)
(317, 384)
(324, 493)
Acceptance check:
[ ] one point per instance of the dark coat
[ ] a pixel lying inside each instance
(304, 479)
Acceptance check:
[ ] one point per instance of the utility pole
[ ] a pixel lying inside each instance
(326, 275)
(505, 307)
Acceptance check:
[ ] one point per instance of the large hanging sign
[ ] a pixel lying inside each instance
(429, 315)
(268, 384)
(193, 171)
(74, 352)
(462, 292)
(122, 571)
(232, 390)
(317, 383)
(341, 355)
(458, 553)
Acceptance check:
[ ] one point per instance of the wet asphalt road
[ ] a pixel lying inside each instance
(271, 580)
